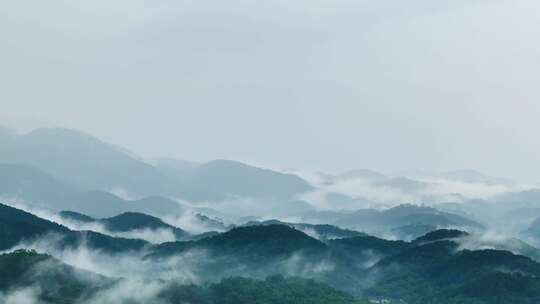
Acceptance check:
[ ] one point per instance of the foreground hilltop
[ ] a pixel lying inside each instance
(41, 278)
(367, 267)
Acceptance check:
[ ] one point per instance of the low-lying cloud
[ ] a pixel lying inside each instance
(367, 193)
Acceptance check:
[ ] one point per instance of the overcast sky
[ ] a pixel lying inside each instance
(330, 85)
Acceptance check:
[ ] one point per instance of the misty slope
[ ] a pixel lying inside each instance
(127, 222)
(411, 231)
(76, 217)
(104, 204)
(175, 168)
(225, 179)
(275, 289)
(518, 208)
(432, 274)
(463, 175)
(480, 241)
(403, 184)
(374, 220)
(45, 278)
(31, 277)
(510, 213)
(358, 244)
(83, 160)
(367, 250)
(259, 251)
(521, 198)
(33, 187)
(256, 241)
(263, 250)
(472, 176)
(533, 231)
(18, 226)
(90, 164)
(321, 232)
(209, 223)
(436, 271)
(36, 188)
(534, 228)
(418, 271)
(430, 269)
(25, 183)
(440, 235)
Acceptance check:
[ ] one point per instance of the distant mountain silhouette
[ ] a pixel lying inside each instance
(403, 215)
(87, 163)
(463, 175)
(368, 249)
(30, 185)
(103, 204)
(533, 231)
(225, 179)
(175, 168)
(83, 160)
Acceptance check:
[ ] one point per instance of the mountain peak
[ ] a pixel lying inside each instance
(275, 237)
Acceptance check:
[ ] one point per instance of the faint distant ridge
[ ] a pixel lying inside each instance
(32, 186)
(533, 230)
(174, 165)
(104, 204)
(227, 179)
(26, 183)
(462, 175)
(404, 215)
(527, 197)
(86, 163)
(83, 160)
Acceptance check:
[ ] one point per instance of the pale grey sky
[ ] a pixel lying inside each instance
(330, 85)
